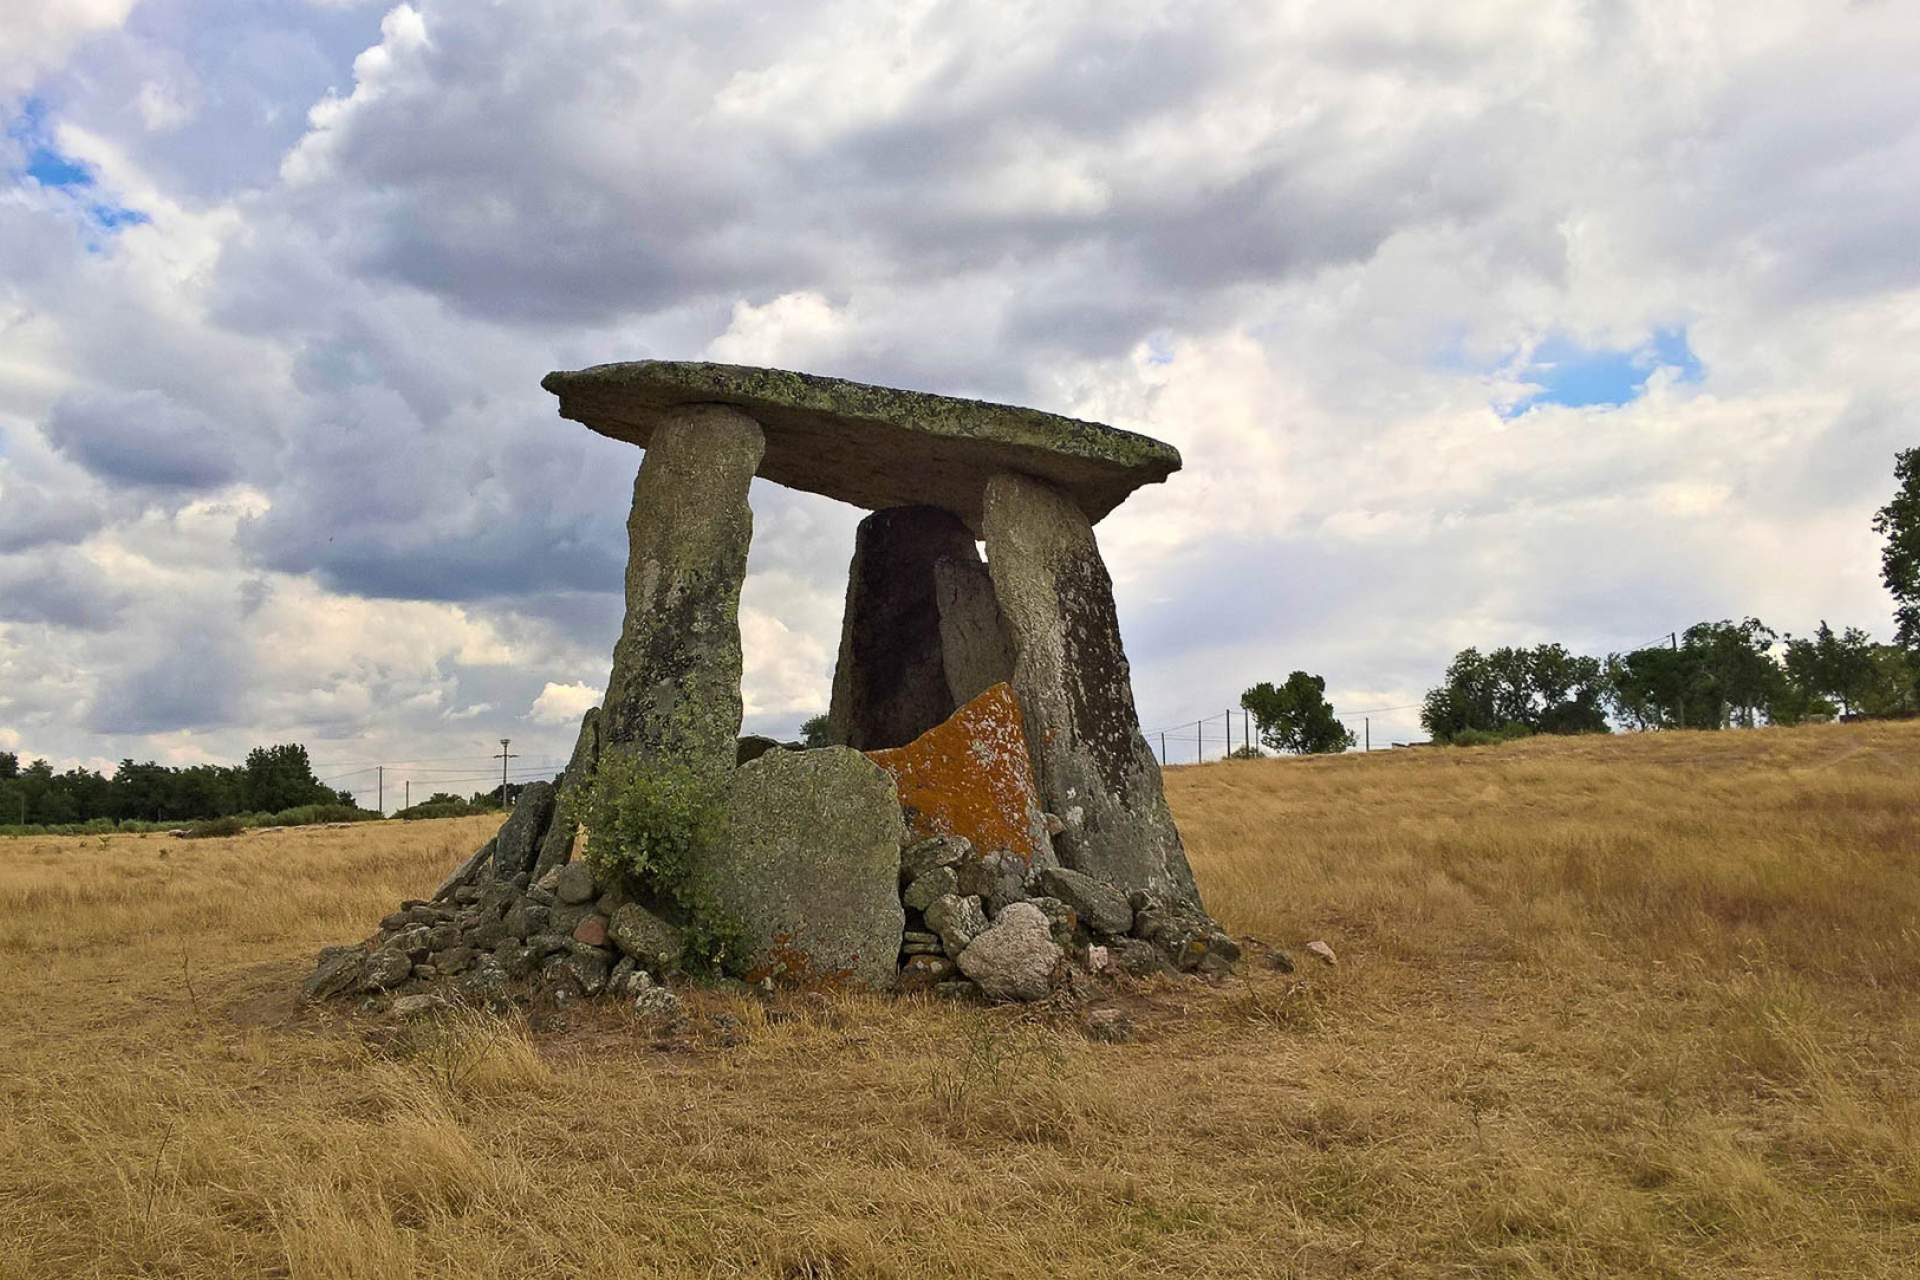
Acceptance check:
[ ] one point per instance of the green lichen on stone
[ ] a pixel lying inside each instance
(874, 446)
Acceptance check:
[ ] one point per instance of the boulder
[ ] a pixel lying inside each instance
(467, 872)
(937, 883)
(518, 842)
(924, 855)
(1103, 908)
(338, 972)
(958, 921)
(808, 867)
(1015, 958)
(1095, 770)
(385, 969)
(654, 1003)
(970, 776)
(592, 930)
(646, 938)
(995, 878)
(575, 884)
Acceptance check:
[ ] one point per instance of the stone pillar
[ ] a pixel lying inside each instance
(974, 647)
(890, 684)
(675, 688)
(1096, 772)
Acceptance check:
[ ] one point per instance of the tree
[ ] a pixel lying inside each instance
(9, 766)
(816, 731)
(280, 777)
(1514, 692)
(1826, 665)
(1297, 716)
(1899, 523)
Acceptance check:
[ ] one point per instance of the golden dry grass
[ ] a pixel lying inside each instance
(1634, 1007)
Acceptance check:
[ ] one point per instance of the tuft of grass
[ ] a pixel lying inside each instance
(1642, 1006)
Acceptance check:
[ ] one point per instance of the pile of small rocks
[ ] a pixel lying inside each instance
(565, 937)
(990, 924)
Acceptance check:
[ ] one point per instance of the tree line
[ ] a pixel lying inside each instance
(1713, 675)
(273, 779)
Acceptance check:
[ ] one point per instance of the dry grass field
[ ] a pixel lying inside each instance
(1642, 1006)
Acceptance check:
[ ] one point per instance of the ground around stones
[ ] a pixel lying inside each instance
(1641, 1007)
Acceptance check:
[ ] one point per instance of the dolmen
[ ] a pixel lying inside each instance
(988, 821)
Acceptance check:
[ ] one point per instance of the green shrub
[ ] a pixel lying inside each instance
(651, 822)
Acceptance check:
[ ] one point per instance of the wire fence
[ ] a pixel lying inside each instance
(1219, 736)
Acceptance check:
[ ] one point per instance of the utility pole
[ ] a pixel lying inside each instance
(1367, 722)
(380, 790)
(504, 756)
(1199, 741)
(409, 786)
(1163, 760)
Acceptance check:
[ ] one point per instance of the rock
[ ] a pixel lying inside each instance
(453, 959)
(515, 959)
(937, 883)
(808, 867)
(340, 970)
(566, 918)
(995, 878)
(415, 1005)
(958, 920)
(1099, 959)
(923, 856)
(386, 968)
(970, 776)
(525, 918)
(752, 746)
(1075, 692)
(1015, 958)
(398, 920)
(467, 872)
(486, 934)
(1280, 960)
(927, 946)
(890, 684)
(1321, 949)
(922, 972)
(592, 930)
(549, 942)
(589, 968)
(874, 447)
(575, 884)
(1138, 957)
(1109, 1025)
(960, 989)
(652, 942)
(1103, 908)
(674, 692)
(1054, 825)
(518, 843)
(1063, 922)
(485, 980)
(623, 971)
(415, 941)
(612, 900)
(656, 1004)
(556, 846)
(546, 882)
(974, 648)
(442, 936)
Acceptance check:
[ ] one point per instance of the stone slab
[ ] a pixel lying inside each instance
(872, 446)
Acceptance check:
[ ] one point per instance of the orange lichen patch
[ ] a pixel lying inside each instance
(971, 777)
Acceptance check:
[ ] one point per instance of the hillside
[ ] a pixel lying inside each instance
(1628, 1006)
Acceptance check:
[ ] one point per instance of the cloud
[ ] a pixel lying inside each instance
(564, 703)
(289, 430)
(141, 438)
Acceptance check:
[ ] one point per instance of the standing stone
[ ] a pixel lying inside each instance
(890, 684)
(808, 868)
(557, 846)
(974, 648)
(674, 693)
(1095, 770)
(467, 872)
(519, 840)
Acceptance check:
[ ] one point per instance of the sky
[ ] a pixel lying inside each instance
(1476, 324)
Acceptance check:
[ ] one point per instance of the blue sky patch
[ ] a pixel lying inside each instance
(1564, 372)
(46, 166)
